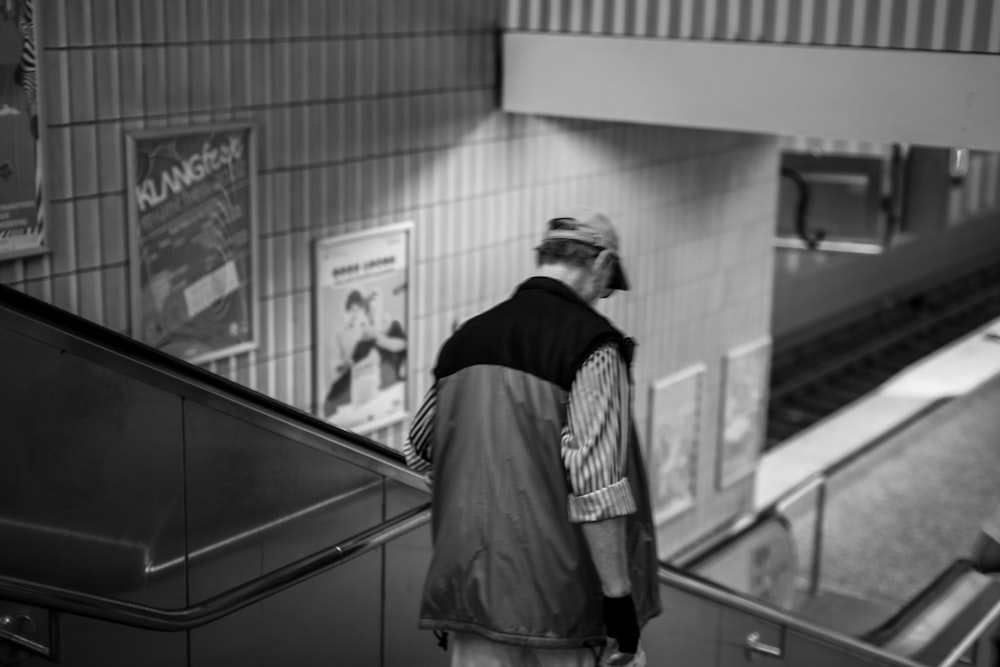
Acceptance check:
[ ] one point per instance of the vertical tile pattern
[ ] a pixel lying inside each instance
(371, 113)
(952, 25)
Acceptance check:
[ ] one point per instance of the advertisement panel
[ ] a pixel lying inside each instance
(363, 312)
(744, 410)
(193, 235)
(22, 231)
(675, 416)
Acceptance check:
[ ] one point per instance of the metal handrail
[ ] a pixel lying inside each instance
(817, 483)
(224, 604)
(713, 592)
(971, 637)
(174, 620)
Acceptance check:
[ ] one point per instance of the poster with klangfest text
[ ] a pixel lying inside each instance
(193, 234)
(363, 309)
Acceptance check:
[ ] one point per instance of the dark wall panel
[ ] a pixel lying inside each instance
(91, 477)
(258, 501)
(406, 562)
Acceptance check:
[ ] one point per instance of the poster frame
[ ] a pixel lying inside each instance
(696, 373)
(406, 229)
(132, 137)
(728, 473)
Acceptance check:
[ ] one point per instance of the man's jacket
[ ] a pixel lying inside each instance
(507, 563)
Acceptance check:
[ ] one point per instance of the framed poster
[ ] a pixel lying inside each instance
(193, 239)
(674, 428)
(744, 409)
(363, 306)
(22, 227)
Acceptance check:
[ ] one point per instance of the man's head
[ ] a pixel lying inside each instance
(582, 244)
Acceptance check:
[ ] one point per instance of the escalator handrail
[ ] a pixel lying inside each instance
(971, 637)
(708, 590)
(90, 340)
(174, 620)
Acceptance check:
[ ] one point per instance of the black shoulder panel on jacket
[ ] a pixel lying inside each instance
(544, 329)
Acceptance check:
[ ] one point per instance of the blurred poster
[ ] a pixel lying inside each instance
(362, 326)
(674, 414)
(193, 240)
(22, 231)
(744, 410)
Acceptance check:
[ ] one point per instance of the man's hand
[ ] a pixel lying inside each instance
(620, 622)
(428, 478)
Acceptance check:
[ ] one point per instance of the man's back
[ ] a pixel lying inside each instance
(507, 560)
(543, 533)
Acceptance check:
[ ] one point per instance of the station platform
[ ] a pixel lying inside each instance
(924, 472)
(954, 371)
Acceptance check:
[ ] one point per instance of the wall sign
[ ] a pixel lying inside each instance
(22, 229)
(193, 238)
(744, 409)
(674, 428)
(363, 305)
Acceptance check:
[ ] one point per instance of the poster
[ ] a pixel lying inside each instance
(744, 409)
(22, 231)
(193, 235)
(363, 312)
(674, 416)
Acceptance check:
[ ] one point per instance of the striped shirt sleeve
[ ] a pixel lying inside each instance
(417, 448)
(595, 439)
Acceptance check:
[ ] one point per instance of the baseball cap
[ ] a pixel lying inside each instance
(591, 227)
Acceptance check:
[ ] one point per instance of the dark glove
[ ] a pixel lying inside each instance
(621, 623)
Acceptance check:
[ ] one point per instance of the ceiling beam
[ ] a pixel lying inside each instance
(921, 97)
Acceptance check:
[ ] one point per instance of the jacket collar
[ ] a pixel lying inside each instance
(552, 286)
(561, 289)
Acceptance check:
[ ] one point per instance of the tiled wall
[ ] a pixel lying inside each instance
(375, 112)
(950, 25)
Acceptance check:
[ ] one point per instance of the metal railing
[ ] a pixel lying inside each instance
(714, 592)
(174, 620)
(817, 486)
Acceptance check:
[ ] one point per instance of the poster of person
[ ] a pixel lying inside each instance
(744, 409)
(362, 326)
(22, 231)
(193, 237)
(674, 417)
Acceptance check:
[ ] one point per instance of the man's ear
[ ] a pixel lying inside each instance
(604, 259)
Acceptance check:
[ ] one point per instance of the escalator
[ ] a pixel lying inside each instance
(152, 513)
(143, 494)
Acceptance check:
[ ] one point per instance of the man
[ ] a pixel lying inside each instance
(543, 539)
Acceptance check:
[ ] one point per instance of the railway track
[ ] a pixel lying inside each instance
(816, 379)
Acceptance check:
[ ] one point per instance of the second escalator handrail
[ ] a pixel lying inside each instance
(710, 591)
(173, 620)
